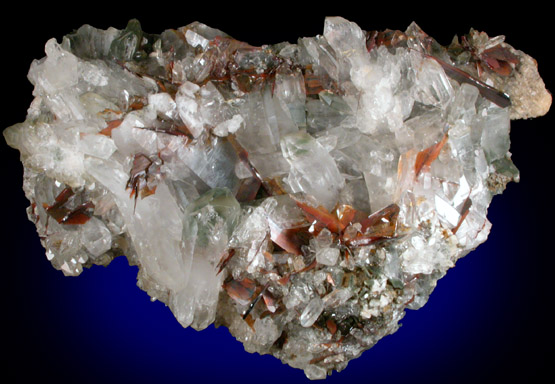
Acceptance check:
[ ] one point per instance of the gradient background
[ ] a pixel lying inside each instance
(489, 318)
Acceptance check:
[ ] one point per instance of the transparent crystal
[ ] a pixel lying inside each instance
(303, 195)
(311, 312)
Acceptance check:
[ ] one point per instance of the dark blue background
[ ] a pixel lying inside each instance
(488, 319)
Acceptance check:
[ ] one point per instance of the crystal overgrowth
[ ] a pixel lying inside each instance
(302, 195)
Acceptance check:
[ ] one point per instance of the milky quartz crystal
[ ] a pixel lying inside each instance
(302, 195)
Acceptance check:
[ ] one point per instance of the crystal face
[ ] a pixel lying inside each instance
(302, 195)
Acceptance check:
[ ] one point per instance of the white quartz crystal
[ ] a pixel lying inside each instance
(303, 195)
(311, 312)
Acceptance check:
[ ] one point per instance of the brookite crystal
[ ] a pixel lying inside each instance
(302, 195)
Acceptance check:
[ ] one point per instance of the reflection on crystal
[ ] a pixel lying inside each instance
(302, 195)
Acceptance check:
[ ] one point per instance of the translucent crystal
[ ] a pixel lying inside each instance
(327, 256)
(311, 312)
(303, 195)
(313, 170)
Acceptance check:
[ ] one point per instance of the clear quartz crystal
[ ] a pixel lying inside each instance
(327, 256)
(311, 312)
(303, 195)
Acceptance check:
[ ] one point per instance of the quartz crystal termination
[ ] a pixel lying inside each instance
(302, 195)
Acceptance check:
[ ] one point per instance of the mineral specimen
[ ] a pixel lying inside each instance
(302, 195)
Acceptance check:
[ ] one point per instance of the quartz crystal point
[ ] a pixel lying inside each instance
(302, 195)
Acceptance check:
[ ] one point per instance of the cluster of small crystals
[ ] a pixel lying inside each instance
(303, 195)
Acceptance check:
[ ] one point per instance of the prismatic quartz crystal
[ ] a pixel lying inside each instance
(302, 195)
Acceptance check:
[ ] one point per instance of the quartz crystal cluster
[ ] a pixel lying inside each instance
(302, 195)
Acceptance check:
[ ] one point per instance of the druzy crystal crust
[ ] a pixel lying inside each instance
(302, 195)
